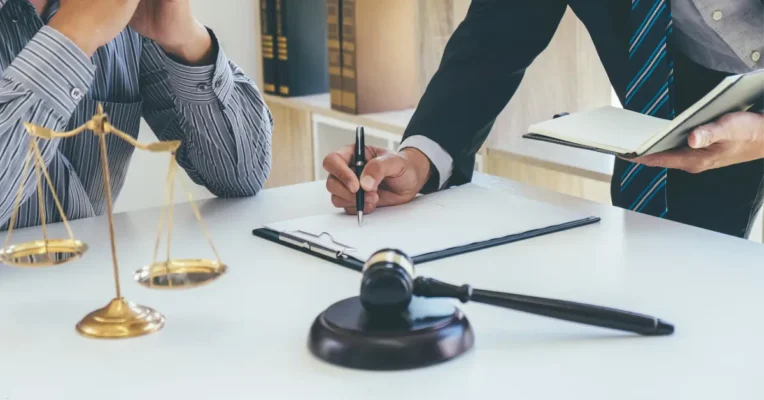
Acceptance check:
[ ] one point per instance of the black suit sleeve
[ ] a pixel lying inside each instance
(482, 66)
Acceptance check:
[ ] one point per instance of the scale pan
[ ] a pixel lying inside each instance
(179, 274)
(41, 253)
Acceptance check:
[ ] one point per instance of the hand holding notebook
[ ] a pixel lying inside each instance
(732, 139)
(629, 134)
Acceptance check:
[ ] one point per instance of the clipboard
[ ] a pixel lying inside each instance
(325, 247)
(334, 252)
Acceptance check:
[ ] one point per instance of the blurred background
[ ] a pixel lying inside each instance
(327, 66)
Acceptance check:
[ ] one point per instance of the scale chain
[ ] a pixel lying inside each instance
(19, 195)
(41, 202)
(38, 155)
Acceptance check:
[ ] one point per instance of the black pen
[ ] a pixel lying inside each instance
(360, 163)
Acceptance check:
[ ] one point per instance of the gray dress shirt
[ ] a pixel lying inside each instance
(216, 111)
(722, 35)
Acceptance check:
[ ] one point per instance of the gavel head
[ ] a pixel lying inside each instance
(387, 284)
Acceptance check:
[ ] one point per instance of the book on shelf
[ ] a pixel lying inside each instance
(333, 38)
(629, 134)
(301, 60)
(378, 53)
(268, 44)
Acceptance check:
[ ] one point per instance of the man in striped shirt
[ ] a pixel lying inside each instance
(139, 58)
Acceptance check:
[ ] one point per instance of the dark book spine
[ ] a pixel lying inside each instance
(282, 48)
(349, 85)
(301, 47)
(268, 39)
(333, 43)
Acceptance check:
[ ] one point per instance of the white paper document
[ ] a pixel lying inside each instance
(451, 218)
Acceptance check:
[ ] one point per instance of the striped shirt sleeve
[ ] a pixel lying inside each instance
(43, 85)
(219, 115)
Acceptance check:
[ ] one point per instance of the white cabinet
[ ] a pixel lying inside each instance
(331, 134)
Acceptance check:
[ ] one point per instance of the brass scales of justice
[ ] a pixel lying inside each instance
(120, 318)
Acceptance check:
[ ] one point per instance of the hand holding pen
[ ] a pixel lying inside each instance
(389, 177)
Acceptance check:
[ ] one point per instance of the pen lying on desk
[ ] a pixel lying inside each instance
(359, 163)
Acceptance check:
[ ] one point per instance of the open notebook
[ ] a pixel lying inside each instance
(446, 223)
(630, 134)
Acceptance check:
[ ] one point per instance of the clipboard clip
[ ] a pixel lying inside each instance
(292, 238)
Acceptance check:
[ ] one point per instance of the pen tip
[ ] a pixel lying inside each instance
(360, 218)
(664, 328)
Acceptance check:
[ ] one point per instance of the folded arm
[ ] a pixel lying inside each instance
(217, 113)
(43, 85)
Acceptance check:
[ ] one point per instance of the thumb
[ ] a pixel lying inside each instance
(380, 168)
(706, 135)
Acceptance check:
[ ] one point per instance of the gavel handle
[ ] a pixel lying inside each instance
(559, 309)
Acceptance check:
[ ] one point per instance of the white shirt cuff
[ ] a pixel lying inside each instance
(438, 157)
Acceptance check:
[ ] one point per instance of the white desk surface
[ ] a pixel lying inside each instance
(244, 336)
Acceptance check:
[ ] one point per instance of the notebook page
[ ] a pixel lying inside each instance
(609, 128)
(451, 218)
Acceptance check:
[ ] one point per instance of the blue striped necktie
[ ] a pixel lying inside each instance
(650, 91)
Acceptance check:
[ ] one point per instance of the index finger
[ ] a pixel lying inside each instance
(337, 165)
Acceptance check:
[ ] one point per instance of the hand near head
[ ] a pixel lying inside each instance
(732, 139)
(92, 24)
(170, 23)
(389, 178)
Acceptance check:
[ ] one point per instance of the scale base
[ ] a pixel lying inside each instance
(42, 253)
(431, 332)
(120, 319)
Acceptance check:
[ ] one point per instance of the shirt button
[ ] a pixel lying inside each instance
(218, 83)
(755, 56)
(76, 94)
(717, 15)
(202, 87)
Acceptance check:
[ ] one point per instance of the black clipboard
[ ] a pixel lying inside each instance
(343, 257)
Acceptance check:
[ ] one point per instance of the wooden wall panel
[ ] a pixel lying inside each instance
(567, 76)
(582, 184)
(292, 146)
(436, 24)
(258, 76)
(460, 8)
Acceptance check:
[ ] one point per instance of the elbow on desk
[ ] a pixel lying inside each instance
(245, 167)
(245, 177)
(247, 183)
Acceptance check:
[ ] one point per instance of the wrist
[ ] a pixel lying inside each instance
(420, 162)
(198, 49)
(79, 34)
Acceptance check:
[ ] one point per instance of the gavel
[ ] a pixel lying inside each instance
(389, 282)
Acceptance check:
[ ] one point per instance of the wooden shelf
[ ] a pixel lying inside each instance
(393, 122)
(573, 161)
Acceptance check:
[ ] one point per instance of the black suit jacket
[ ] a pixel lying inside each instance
(486, 58)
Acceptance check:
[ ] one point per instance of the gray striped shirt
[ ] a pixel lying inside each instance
(216, 111)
